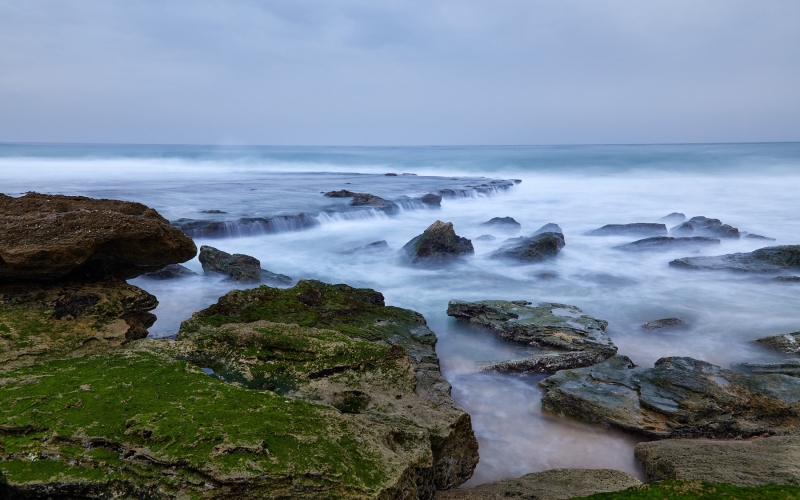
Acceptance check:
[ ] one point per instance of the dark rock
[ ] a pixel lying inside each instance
(533, 249)
(212, 212)
(578, 340)
(376, 246)
(550, 227)
(52, 237)
(171, 271)
(763, 260)
(658, 243)
(439, 243)
(342, 193)
(507, 224)
(376, 202)
(390, 174)
(755, 462)
(790, 367)
(673, 218)
(678, 397)
(666, 324)
(247, 226)
(752, 236)
(635, 229)
(432, 200)
(703, 226)
(787, 279)
(277, 279)
(787, 343)
(238, 267)
(553, 484)
(485, 237)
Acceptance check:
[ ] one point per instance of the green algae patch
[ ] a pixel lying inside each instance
(667, 490)
(136, 414)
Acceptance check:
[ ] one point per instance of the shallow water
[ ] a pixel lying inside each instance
(752, 187)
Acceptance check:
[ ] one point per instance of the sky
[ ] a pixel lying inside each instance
(392, 72)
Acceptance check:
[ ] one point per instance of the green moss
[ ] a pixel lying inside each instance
(666, 490)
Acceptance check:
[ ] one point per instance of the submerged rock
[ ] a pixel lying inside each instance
(755, 462)
(787, 279)
(635, 229)
(658, 243)
(553, 484)
(52, 237)
(171, 271)
(366, 200)
(437, 244)
(678, 397)
(666, 324)
(787, 343)
(246, 226)
(703, 226)
(506, 224)
(238, 267)
(376, 246)
(485, 237)
(763, 260)
(578, 340)
(536, 248)
(752, 236)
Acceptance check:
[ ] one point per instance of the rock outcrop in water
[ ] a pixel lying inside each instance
(763, 260)
(659, 243)
(171, 271)
(246, 226)
(673, 218)
(571, 338)
(678, 397)
(666, 324)
(554, 484)
(238, 267)
(436, 245)
(374, 247)
(51, 237)
(787, 343)
(536, 248)
(635, 229)
(504, 224)
(703, 226)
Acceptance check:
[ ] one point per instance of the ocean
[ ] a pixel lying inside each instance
(753, 187)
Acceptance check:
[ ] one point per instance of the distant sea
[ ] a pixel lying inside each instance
(753, 187)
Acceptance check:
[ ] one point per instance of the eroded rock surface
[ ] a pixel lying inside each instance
(635, 229)
(576, 339)
(787, 343)
(678, 397)
(238, 267)
(536, 248)
(763, 260)
(51, 237)
(703, 226)
(437, 244)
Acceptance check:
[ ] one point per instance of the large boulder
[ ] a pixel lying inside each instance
(703, 226)
(763, 260)
(570, 338)
(536, 248)
(635, 229)
(554, 484)
(52, 237)
(754, 462)
(659, 243)
(678, 397)
(437, 244)
(238, 267)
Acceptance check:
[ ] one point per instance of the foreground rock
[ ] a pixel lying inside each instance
(577, 339)
(790, 367)
(171, 271)
(678, 397)
(787, 343)
(554, 484)
(50, 237)
(504, 224)
(238, 267)
(536, 248)
(666, 324)
(437, 244)
(703, 226)
(756, 462)
(660, 243)
(636, 229)
(763, 260)
(319, 391)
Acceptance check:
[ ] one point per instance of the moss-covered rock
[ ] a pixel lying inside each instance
(669, 490)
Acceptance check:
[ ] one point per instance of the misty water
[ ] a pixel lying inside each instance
(751, 187)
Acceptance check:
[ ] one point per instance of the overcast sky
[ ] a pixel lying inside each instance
(399, 72)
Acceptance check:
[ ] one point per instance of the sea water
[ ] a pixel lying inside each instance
(750, 186)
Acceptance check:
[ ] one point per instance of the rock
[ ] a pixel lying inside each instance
(536, 248)
(212, 212)
(171, 271)
(787, 343)
(667, 242)
(507, 224)
(554, 484)
(390, 174)
(432, 200)
(550, 227)
(52, 237)
(376, 246)
(342, 193)
(763, 260)
(578, 340)
(787, 279)
(635, 229)
(754, 462)
(238, 267)
(703, 226)
(752, 236)
(790, 367)
(376, 202)
(437, 244)
(246, 226)
(678, 397)
(666, 324)
(485, 237)
(673, 218)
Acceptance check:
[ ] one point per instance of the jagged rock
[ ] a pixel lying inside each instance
(668, 242)
(485, 237)
(787, 279)
(437, 244)
(635, 229)
(171, 271)
(376, 246)
(578, 340)
(673, 218)
(536, 248)
(678, 397)
(755, 462)
(787, 343)
(554, 484)
(432, 200)
(506, 224)
(52, 237)
(763, 260)
(238, 267)
(666, 324)
(703, 226)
